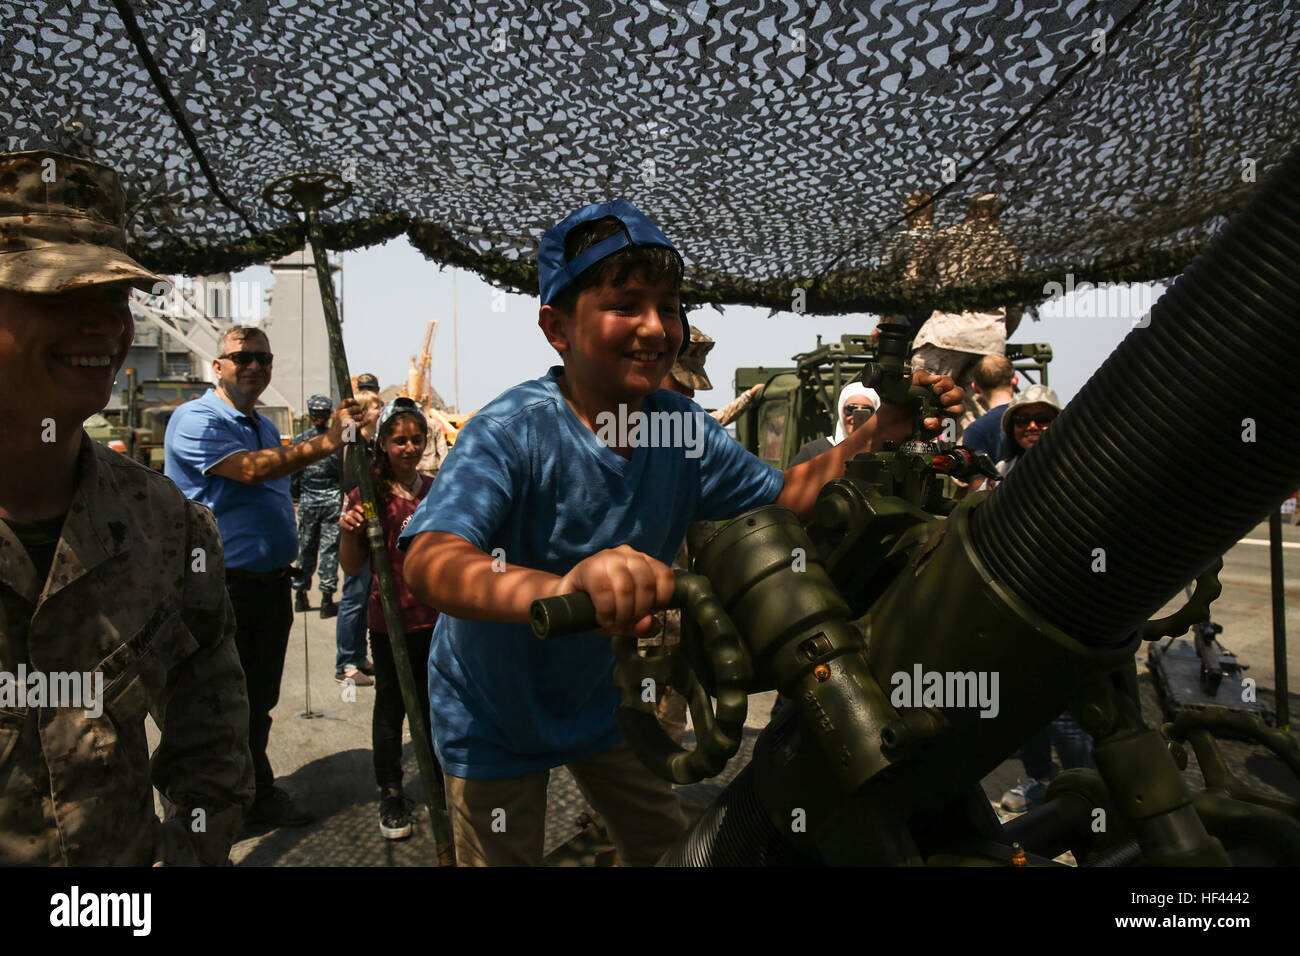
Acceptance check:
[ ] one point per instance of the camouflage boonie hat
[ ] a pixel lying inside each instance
(62, 226)
(689, 367)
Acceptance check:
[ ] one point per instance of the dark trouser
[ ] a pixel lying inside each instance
(1073, 746)
(318, 531)
(386, 726)
(263, 619)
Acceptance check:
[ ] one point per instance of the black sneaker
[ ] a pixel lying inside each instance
(275, 808)
(300, 602)
(394, 815)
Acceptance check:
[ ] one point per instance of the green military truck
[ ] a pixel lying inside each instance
(798, 403)
(137, 425)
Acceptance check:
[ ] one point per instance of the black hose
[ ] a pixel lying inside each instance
(1125, 853)
(734, 831)
(1152, 461)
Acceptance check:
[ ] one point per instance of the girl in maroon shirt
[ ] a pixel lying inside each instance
(401, 436)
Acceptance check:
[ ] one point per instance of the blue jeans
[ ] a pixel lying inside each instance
(1073, 746)
(350, 631)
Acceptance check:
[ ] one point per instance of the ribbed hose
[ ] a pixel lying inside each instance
(1151, 461)
(734, 831)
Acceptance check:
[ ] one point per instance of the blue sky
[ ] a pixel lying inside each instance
(391, 291)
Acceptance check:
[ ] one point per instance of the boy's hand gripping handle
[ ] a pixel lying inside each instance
(718, 734)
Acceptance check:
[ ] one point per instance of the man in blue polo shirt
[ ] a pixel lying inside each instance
(222, 453)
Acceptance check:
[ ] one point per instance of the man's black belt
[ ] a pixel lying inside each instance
(239, 574)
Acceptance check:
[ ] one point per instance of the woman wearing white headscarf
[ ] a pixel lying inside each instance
(854, 397)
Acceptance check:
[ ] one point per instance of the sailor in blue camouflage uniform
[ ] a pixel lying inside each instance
(316, 489)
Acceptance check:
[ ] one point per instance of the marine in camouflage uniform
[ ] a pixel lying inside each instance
(973, 254)
(106, 570)
(316, 489)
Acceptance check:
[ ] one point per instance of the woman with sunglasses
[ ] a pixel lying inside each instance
(857, 403)
(401, 434)
(1025, 422)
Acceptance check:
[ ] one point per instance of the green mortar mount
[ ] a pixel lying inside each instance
(910, 673)
(880, 773)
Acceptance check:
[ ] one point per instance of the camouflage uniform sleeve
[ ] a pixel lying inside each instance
(202, 766)
(735, 408)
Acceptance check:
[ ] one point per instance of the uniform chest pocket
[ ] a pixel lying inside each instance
(162, 643)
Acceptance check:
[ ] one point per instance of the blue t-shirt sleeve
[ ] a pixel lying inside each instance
(731, 479)
(201, 439)
(475, 487)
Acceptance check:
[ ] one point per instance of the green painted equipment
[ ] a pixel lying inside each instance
(933, 637)
(798, 403)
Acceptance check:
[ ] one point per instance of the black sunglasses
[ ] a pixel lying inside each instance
(1041, 418)
(243, 358)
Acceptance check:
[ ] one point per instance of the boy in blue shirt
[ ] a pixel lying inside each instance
(549, 491)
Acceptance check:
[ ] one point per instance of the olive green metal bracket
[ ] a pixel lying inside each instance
(1196, 609)
(1199, 727)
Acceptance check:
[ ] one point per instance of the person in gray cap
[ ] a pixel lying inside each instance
(316, 489)
(1025, 422)
(111, 581)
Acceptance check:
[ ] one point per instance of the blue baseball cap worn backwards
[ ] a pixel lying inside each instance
(555, 274)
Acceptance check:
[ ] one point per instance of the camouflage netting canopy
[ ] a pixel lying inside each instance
(775, 142)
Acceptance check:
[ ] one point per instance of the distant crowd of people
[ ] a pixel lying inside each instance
(194, 576)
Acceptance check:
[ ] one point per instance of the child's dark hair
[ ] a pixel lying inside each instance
(381, 468)
(656, 263)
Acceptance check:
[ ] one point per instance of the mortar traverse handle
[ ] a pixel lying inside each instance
(718, 732)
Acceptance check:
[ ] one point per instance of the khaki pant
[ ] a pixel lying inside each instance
(502, 822)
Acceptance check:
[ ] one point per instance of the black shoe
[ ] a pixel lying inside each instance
(275, 808)
(328, 608)
(300, 602)
(394, 815)
(367, 668)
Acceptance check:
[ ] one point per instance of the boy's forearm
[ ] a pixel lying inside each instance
(447, 572)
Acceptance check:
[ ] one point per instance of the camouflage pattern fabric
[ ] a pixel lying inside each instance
(970, 254)
(61, 226)
(136, 593)
(318, 530)
(319, 481)
(735, 408)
